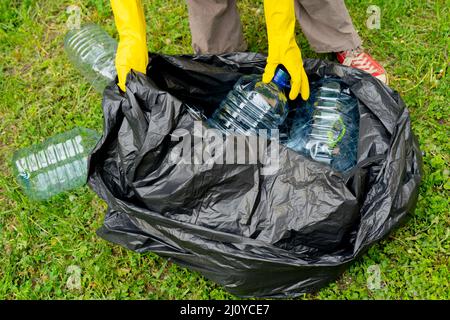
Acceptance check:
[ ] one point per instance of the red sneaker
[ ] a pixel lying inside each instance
(359, 59)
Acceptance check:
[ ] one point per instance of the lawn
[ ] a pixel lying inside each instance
(44, 245)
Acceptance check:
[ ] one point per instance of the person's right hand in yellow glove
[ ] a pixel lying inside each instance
(283, 49)
(132, 49)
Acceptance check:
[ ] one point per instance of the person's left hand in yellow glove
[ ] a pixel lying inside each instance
(132, 50)
(283, 49)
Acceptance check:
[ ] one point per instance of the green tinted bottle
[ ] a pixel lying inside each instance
(58, 164)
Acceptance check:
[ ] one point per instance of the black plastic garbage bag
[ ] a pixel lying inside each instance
(257, 235)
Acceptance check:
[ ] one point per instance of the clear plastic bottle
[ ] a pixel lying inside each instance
(56, 165)
(92, 50)
(253, 105)
(327, 130)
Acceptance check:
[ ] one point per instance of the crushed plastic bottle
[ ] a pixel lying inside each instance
(253, 105)
(58, 164)
(326, 129)
(92, 50)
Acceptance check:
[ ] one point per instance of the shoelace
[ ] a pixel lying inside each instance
(357, 59)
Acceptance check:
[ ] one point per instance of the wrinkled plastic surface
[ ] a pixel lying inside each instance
(256, 235)
(325, 128)
(92, 50)
(251, 106)
(56, 165)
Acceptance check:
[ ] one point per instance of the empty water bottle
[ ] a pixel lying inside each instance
(92, 51)
(253, 105)
(327, 129)
(57, 165)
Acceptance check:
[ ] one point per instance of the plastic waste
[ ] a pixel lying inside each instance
(277, 235)
(56, 165)
(92, 50)
(326, 128)
(253, 105)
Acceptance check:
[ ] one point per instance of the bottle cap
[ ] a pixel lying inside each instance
(282, 78)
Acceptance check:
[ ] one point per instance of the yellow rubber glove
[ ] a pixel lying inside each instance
(283, 49)
(132, 49)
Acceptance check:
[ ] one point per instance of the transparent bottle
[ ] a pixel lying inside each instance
(92, 50)
(327, 129)
(253, 105)
(56, 165)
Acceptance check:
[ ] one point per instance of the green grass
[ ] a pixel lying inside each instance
(41, 94)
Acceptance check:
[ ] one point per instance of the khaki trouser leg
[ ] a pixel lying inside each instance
(327, 25)
(215, 26)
